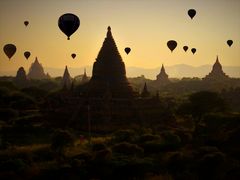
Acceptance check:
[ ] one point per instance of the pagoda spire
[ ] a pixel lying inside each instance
(109, 50)
(145, 92)
(162, 77)
(109, 70)
(66, 73)
(36, 71)
(66, 81)
(36, 60)
(217, 72)
(163, 69)
(84, 77)
(109, 33)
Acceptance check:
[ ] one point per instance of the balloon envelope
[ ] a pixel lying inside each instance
(192, 13)
(73, 55)
(172, 45)
(68, 23)
(193, 50)
(26, 23)
(229, 42)
(27, 54)
(127, 50)
(185, 48)
(9, 50)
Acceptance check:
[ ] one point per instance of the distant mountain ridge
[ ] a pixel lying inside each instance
(175, 71)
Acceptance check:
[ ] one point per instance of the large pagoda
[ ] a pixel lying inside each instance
(36, 71)
(109, 72)
(162, 77)
(217, 73)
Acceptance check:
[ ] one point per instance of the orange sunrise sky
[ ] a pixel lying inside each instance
(143, 25)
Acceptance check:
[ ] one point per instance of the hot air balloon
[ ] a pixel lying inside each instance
(185, 48)
(27, 54)
(127, 50)
(68, 23)
(26, 23)
(172, 45)
(73, 55)
(193, 50)
(192, 13)
(10, 50)
(229, 42)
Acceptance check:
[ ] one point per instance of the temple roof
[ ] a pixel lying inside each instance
(66, 81)
(109, 51)
(217, 72)
(36, 70)
(36, 61)
(66, 73)
(145, 92)
(162, 76)
(217, 65)
(163, 70)
(109, 70)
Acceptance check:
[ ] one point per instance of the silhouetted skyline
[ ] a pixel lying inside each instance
(144, 26)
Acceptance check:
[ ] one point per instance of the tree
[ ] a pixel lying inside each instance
(205, 102)
(60, 140)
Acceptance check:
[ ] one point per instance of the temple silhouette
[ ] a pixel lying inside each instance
(217, 73)
(36, 71)
(162, 77)
(66, 80)
(21, 75)
(109, 72)
(85, 78)
(145, 93)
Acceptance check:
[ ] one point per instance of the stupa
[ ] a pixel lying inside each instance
(109, 72)
(66, 80)
(217, 73)
(84, 77)
(145, 92)
(162, 77)
(21, 75)
(36, 71)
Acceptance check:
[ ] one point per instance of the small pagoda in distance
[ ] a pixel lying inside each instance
(162, 77)
(84, 77)
(66, 80)
(217, 73)
(21, 75)
(36, 71)
(145, 93)
(109, 72)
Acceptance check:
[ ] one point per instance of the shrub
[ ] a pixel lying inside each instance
(61, 139)
(84, 156)
(127, 149)
(43, 154)
(103, 155)
(15, 165)
(21, 101)
(171, 140)
(8, 114)
(98, 146)
(153, 146)
(124, 135)
(185, 137)
(149, 137)
(131, 168)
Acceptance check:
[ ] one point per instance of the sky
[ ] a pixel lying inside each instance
(143, 25)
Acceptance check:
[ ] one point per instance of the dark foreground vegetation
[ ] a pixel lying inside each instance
(181, 134)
